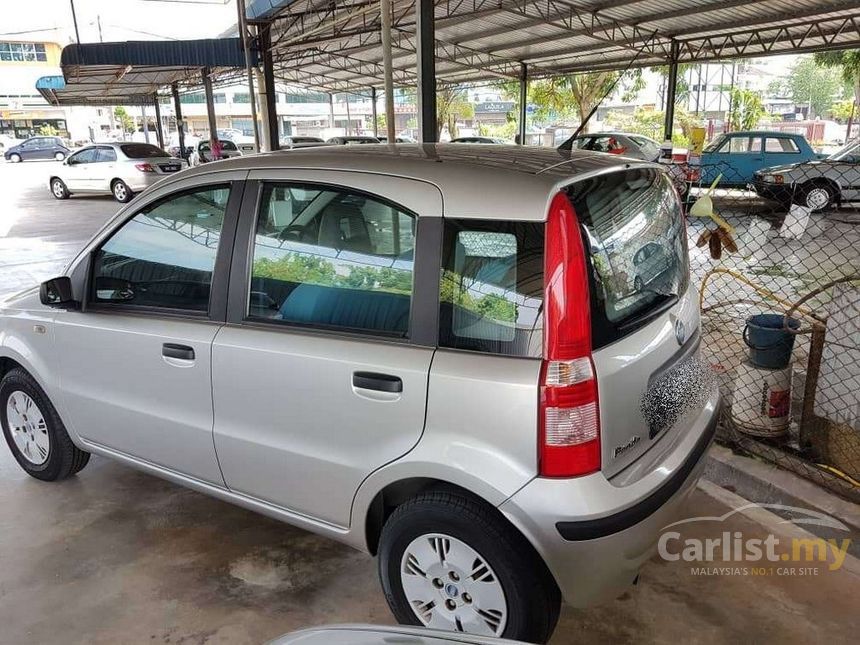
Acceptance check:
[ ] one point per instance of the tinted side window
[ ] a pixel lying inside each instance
(106, 154)
(88, 155)
(491, 291)
(165, 255)
(334, 259)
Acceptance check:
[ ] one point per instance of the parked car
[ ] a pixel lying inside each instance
(383, 635)
(119, 169)
(243, 142)
(203, 152)
(37, 148)
(652, 262)
(398, 139)
(479, 140)
(288, 143)
(738, 155)
(352, 140)
(635, 146)
(381, 354)
(817, 184)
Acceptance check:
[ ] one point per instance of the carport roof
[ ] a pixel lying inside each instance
(336, 46)
(131, 73)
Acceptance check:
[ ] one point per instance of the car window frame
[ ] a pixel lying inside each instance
(217, 311)
(100, 149)
(73, 159)
(422, 329)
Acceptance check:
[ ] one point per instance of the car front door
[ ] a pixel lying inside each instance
(76, 172)
(321, 376)
(29, 149)
(135, 368)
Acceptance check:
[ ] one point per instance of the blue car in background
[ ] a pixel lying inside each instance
(738, 155)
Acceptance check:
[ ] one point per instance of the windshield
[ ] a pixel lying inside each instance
(142, 151)
(850, 149)
(638, 248)
(715, 144)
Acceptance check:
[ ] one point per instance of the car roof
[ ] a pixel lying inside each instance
(758, 133)
(490, 181)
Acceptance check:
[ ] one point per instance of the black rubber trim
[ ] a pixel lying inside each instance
(601, 527)
(376, 381)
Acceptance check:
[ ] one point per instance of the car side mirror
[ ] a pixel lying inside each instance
(57, 292)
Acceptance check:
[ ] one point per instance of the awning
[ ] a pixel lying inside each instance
(133, 72)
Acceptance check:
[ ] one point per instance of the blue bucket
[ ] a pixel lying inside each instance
(769, 341)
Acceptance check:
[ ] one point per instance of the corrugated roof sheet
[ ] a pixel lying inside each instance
(486, 39)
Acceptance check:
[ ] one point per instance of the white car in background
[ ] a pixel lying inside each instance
(120, 169)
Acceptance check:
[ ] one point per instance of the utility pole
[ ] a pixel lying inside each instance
(75, 20)
(99, 23)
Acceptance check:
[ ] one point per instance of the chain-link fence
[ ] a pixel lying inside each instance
(778, 265)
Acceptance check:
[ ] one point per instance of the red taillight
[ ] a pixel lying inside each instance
(569, 413)
(144, 167)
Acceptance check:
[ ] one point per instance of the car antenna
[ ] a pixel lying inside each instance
(567, 145)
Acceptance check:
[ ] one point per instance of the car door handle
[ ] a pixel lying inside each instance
(375, 381)
(172, 350)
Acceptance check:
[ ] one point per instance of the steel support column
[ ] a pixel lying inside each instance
(388, 73)
(269, 81)
(426, 51)
(180, 126)
(373, 111)
(524, 93)
(159, 131)
(243, 34)
(671, 90)
(210, 111)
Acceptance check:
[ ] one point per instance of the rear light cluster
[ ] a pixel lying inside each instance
(144, 167)
(568, 406)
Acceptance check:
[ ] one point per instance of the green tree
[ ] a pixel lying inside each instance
(747, 109)
(812, 84)
(452, 104)
(841, 110)
(47, 130)
(126, 123)
(848, 63)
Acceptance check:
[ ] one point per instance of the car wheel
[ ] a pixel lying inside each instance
(33, 429)
(58, 189)
(447, 561)
(637, 284)
(59, 156)
(121, 191)
(15, 157)
(817, 197)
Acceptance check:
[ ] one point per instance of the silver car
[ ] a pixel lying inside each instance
(357, 341)
(816, 184)
(119, 169)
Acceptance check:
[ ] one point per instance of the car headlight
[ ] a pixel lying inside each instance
(772, 178)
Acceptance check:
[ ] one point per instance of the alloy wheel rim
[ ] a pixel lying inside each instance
(451, 587)
(58, 189)
(817, 198)
(119, 191)
(59, 156)
(28, 427)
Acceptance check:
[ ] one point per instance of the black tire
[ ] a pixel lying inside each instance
(59, 189)
(15, 157)
(121, 192)
(64, 458)
(816, 196)
(533, 599)
(60, 156)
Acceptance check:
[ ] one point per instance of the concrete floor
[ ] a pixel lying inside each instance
(116, 556)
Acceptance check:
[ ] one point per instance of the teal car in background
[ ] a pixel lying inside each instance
(738, 155)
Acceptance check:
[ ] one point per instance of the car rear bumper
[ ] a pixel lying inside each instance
(143, 180)
(595, 536)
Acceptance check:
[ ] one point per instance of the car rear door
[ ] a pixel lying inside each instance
(779, 151)
(103, 169)
(320, 377)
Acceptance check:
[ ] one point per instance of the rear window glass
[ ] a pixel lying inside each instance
(633, 227)
(142, 151)
(491, 291)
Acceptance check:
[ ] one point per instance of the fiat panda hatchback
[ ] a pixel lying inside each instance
(445, 356)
